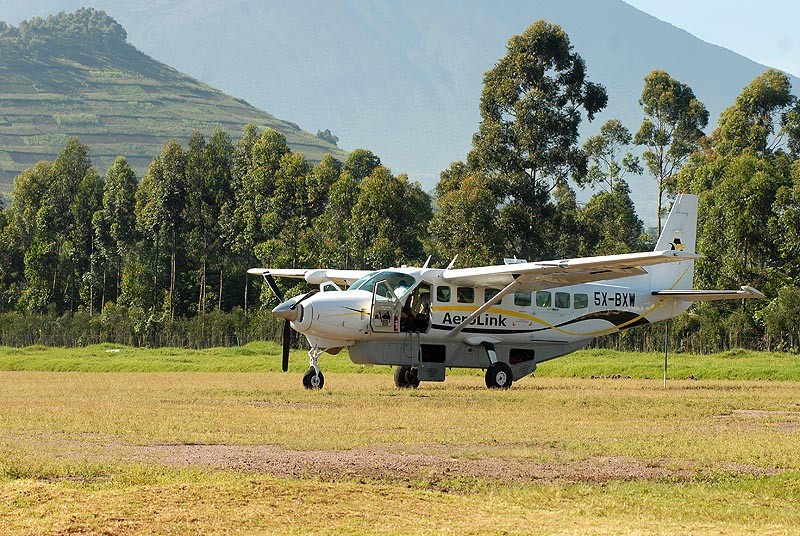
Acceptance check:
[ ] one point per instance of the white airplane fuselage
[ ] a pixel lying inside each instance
(502, 318)
(525, 328)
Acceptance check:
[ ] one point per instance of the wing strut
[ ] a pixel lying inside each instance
(479, 311)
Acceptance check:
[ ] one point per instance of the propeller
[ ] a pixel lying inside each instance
(287, 328)
(288, 314)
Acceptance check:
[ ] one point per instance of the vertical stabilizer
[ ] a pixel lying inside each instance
(679, 233)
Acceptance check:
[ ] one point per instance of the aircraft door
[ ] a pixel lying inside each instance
(385, 317)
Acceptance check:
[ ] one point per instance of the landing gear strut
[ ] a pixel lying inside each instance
(405, 377)
(313, 378)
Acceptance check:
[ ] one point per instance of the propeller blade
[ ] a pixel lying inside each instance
(287, 335)
(308, 295)
(274, 286)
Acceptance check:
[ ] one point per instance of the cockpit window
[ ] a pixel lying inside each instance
(400, 283)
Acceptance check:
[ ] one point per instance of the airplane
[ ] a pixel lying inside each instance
(506, 319)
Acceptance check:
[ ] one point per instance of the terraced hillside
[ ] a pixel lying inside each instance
(76, 75)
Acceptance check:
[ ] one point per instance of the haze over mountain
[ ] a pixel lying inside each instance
(403, 78)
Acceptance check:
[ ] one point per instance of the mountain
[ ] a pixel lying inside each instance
(76, 75)
(403, 77)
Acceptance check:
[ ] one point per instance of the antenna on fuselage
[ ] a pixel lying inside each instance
(427, 262)
(452, 262)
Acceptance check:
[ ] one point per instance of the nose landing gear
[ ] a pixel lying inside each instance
(313, 378)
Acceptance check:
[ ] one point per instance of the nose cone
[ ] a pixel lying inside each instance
(286, 311)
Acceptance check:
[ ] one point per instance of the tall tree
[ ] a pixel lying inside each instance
(609, 223)
(160, 203)
(604, 150)
(670, 131)
(87, 257)
(360, 164)
(531, 106)
(390, 220)
(467, 224)
(763, 118)
(118, 217)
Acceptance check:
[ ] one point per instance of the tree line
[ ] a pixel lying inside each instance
(162, 260)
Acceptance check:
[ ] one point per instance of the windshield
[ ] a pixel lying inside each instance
(400, 283)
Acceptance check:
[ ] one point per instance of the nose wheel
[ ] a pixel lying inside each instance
(313, 378)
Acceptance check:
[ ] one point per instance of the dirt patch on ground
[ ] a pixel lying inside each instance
(432, 463)
(382, 463)
(754, 418)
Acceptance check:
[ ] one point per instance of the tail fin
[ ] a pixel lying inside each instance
(679, 232)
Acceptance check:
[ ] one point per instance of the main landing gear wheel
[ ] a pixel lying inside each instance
(499, 376)
(313, 379)
(406, 377)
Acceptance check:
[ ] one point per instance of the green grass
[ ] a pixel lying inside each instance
(265, 356)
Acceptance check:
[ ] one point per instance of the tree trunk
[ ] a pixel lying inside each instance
(155, 275)
(219, 302)
(172, 279)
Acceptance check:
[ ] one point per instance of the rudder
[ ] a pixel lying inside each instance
(679, 233)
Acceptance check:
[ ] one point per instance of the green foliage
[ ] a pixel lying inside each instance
(361, 163)
(609, 224)
(466, 223)
(604, 151)
(670, 131)
(763, 108)
(390, 220)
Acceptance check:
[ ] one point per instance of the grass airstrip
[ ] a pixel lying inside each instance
(121, 440)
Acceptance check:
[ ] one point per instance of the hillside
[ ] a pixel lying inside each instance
(404, 78)
(76, 75)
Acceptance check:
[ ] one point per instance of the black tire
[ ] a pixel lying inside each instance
(406, 377)
(312, 380)
(499, 376)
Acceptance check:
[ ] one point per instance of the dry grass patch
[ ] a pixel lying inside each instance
(255, 452)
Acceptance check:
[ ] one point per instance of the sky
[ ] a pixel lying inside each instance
(765, 31)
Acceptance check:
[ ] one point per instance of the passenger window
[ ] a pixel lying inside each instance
(543, 299)
(442, 294)
(490, 293)
(562, 300)
(522, 299)
(581, 301)
(465, 294)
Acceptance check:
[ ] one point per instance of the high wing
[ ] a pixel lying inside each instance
(710, 295)
(313, 276)
(558, 273)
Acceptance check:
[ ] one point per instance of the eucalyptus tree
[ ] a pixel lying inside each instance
(467, 223)
(86, 211)
(531, 106)
(608, 164)
(609, 223)
(670, 131)
(118, 221)
(361, 163)
(160, 204)
(763, 119)
(390, 220)
(334, 229)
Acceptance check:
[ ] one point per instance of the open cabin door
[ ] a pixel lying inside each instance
(385, 317)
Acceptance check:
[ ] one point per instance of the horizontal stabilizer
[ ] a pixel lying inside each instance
(711, 295)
